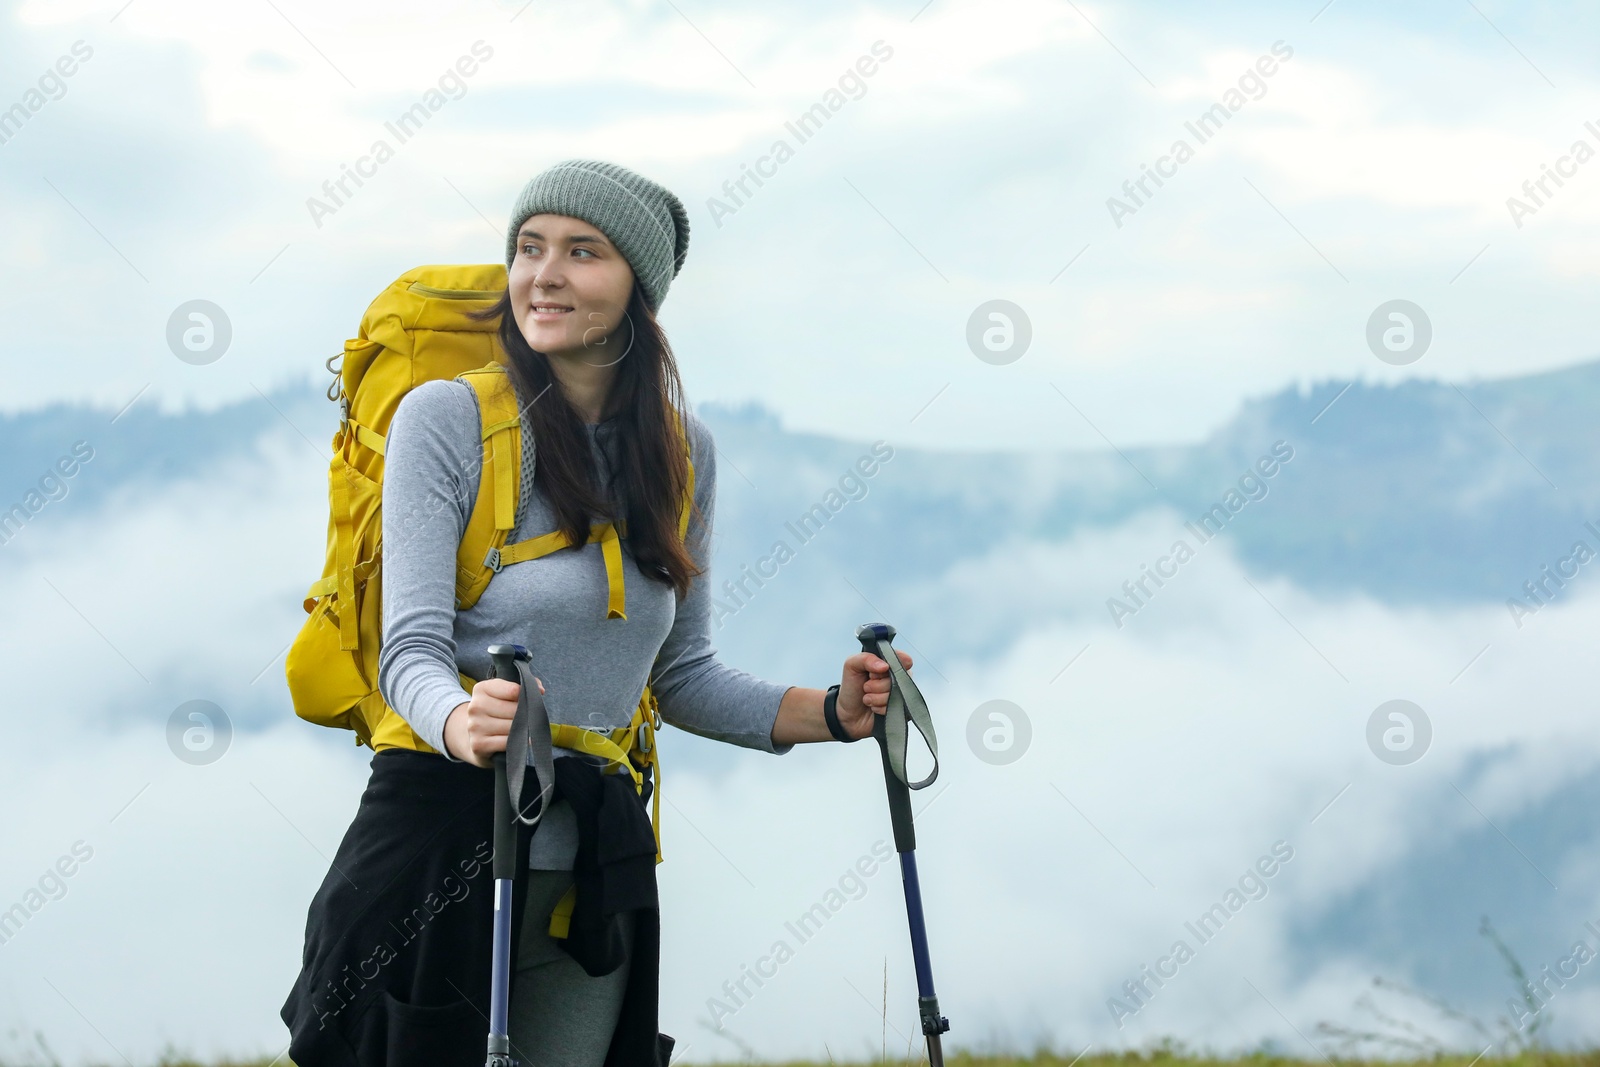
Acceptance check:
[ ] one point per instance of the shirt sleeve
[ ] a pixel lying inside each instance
(696, 691)
(432, 459)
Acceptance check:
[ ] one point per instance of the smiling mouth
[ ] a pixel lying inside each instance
(549, 309)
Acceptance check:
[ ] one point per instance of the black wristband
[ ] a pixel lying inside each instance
(830, 715)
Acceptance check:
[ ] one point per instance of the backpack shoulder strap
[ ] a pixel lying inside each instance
(688, 485)
(480, 555)
(495, 510)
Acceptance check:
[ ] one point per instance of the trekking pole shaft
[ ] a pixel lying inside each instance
(505, 854)
(499, 998)
(933, 1024)
(905, 830)
(919, 932)
(505, 832)
(505, 860)
(905, 843)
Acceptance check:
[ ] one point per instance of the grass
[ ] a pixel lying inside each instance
(1394, 1009)
(1167, 1055)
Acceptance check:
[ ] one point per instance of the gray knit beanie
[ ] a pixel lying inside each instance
(644, 220)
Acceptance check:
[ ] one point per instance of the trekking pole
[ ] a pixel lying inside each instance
(530, 730)
(905, 702)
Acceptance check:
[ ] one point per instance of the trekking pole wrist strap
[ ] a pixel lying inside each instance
(905, 707)
(830, 715)
(528, 742)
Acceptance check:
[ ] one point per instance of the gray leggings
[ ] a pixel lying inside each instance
(560, 1017)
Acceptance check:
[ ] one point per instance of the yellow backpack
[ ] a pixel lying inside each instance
(414, 331)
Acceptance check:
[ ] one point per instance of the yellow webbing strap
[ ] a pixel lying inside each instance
(642, 744)
(627, 747)
(561, 914)
(631, 747)
(505, 499)
(611, 549)
(533, 548)
(688, 487)
(502, 430)
(606, 533)
(688, 499)
(367, 436)
(493, 513)
(595, 743)
(344, 558)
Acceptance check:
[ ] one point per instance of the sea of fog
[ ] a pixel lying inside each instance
(1209, 751)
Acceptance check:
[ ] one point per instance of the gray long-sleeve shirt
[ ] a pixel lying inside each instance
(593, 668)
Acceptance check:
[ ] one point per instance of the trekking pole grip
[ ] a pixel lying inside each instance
(870, 635)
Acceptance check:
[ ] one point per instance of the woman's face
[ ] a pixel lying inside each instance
(569, 288)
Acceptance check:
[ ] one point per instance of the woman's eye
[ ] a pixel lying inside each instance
(587, 251)
(526, 249)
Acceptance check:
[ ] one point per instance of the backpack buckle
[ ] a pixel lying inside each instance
(492, 559)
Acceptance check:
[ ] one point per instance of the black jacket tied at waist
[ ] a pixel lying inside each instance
(395, 971)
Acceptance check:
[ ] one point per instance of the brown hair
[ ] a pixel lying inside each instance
(653, 464)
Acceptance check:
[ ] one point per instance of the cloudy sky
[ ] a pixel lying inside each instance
(975, 164)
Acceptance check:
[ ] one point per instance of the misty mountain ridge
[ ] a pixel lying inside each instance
(1420, 492)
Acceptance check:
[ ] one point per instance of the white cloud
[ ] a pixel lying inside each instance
(1190, 740)
(986, 147)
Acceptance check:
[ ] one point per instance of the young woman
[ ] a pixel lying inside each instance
(591, 250)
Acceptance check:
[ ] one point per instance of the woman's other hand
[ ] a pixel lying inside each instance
(864, 691)
(478, 728)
